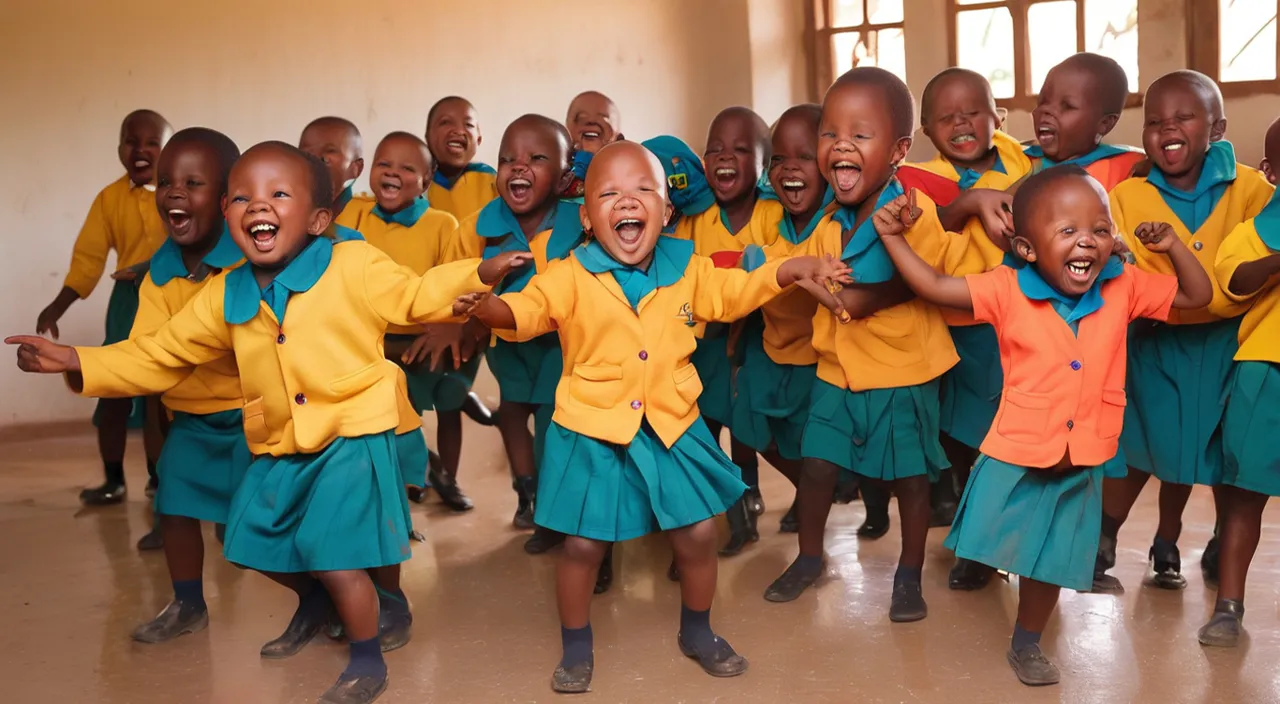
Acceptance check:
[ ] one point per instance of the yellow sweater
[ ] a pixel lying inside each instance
(1260, 327)
(471, 192)
(123, 218)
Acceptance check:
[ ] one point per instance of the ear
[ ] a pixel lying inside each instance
(619, 137)
(667, 212)
(1107, 124)
(585, 219)
(320, 220)
(357, 168)
(1266, 171)
(1218, 130)
(924, 129)
(223, 202)
(565, 180)
(1022, 247)
(900, 150)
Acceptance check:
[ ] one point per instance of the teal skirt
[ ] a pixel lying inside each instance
(1031, 522)
(1250, 427)
(343, 508)
(770, 401)
(879, 433)
(122, 308)
(715, 369)
(203, 461)
(1178, 377)
(970, 392)
(527, 372)
(411, 453)
(444, 390)
(598, 490)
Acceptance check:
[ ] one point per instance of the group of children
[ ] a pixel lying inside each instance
(841, 312)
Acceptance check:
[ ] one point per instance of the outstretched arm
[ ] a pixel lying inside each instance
(891, 223)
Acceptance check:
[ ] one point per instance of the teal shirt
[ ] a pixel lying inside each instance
(1071, 308)
(166, 264)
(243, 295)
(865, 253)
(407, 217)
(670, 259)
(1195, 206)
(1100, 152)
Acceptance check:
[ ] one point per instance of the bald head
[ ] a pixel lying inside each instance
(971, 82)
(593, 121)
(625, 155)
(1111, 84)
(1201, 85)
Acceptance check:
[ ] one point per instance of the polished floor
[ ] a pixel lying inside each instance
(72, 587)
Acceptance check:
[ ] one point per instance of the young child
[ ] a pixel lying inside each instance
(400, 221)
(1178, 370)
(1247, 270)
(205, 454)
(958, 115)
(593, 121)
(627, 453)
(1061, 312)
(337, 142)
(874, 406)
(304, 321)
(460, 185)
(123, 219)
(1080, 103)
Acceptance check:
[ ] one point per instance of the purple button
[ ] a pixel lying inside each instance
(300, 399)
(635, 405)
(643, 355)
(280, 340)
(1075, 365)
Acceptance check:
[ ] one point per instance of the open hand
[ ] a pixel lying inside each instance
(493, 270)
(994, 209)
(897, 216)
(41, 356)
(434, 344)
(1158, 237)
(48, 320)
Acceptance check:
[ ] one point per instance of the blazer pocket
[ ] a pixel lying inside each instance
(596, 385)
(359, 380)
(688, 384)
(255, 422)
(1111, 413)
(1023, 416)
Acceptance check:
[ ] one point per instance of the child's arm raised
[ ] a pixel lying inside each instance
(892, 222)
(545, 302)
(1195, 290)
(725, 295)
(400, 298)
(994, 209)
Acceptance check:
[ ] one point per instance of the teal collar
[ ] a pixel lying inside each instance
(1100, 152)
(343, 234)
(865, 252)
(497, 224)
(243, 295)
(166, 263)
(670, 259)
(787, 226)
(687, 185)
(1267, 223)
(407, 217)
(1072, 309)
(448, 183)
(1194, 207)
(969, 177)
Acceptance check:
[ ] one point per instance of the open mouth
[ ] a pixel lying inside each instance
(456, 146)
(726, 176)
(1046, 134)
(263, 235)
(793, 189)
(964, 142)
(629, 231)
(845, 175)
(389, 190)
(1174, 151)
(590, 134)
(179, 221)
(1079, 270)
(519, 188)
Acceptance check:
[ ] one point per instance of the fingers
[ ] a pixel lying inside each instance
(464, 305)
(826, 298)
(911, 212)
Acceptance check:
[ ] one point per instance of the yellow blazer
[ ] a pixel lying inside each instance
(319, 376)
(1260, 327)
(788, 319)
(123, 218)
(471, 192)
(709, 235)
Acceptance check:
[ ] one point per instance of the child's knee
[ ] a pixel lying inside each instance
(695, 540)
(815, 470)
(584, 550)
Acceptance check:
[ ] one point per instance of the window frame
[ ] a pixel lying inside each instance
(1025, 95)
(822, 35)
(1204, 42)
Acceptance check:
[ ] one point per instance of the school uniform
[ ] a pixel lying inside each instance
(1252, 455)
(466, 193)
(324, 490)
(1178, 371)
(1108, 163)
(124, 219)
(627, 452)
(970, 391)
(205, 455)
(874, 407)
(1064, 371)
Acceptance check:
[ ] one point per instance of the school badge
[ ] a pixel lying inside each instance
(686, 312)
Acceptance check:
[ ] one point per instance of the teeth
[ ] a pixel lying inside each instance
(176, 211)
(963, 139)
(1173, 147)
(141, 163)
(844, 165)
(627, 222)
(1081, 268)
(261, 227)
(591, 135)
(520, 182)
(724, 171)
(457, 144)
(792, 183)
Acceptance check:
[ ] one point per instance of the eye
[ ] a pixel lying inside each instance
(240, 199)
(828, 135)
(608, 194)
(384, 164)
(775, 160)
(539, 157)
(1069, 230)
(279, 194)
(861, 136)
(194, 183)
(505, 160)
(161, 182)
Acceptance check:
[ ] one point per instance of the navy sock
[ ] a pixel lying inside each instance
(695, 629)
(315, 604)
(366, 660)
(1023, 638)
(907, 575)
(114, 472)
(189, 592)
(808, 563)
(1110, 526)
(578, 645)
(1163, 546)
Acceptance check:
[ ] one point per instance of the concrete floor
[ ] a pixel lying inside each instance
(73, 587)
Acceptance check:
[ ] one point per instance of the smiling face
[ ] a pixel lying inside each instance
(626, 203)
(735, 155)
(189, 189)
(858, 145)
(338, 145)
(1069, 122)
(1179, 124)
(271, 210)
(142, 136)
(793, 169)
(1069, 234)
(593, 121)
(453, 133)
(401, 171)
(533, 161)
(961, 118)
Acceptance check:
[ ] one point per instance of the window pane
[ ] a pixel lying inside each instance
(884, 11)
(846, 13)
(1051, 27)
(1111, 29)
(984, 43)
(885, 49)
(1247, 40)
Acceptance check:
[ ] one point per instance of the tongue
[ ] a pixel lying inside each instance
(846, 179)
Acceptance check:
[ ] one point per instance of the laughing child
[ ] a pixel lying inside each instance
(336, 142)
(460, 185)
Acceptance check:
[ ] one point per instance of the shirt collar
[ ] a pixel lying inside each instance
(1034, 286)
(408, 217)
(339, 233)
(340, 204)
(498, 224)
(448, 183)
(670, 259)
(166, 263)
(1100, 152)
(968, 178)
(1219, 168)
(787, 226)
(243, 295)
(865, 236)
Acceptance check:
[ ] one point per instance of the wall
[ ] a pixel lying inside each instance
(261, 70)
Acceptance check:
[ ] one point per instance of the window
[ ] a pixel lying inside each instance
(1234, 43)
(993, 37)
(858, 33)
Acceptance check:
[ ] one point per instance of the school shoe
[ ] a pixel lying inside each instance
(1225, 626)
(1166, 563)
(790, 522)
(573, 680)
(542, 540)
(968, 576)
(604, 576)
(479, 413)
(721, 661)
(175, 620)
(1104, 583)
(755, 502)
(793, 582)
(526, 494)
(307, 622)
(154, 539)
(1209, 562)
(446, 488)
(742, 527)
(1032, 667)
(907, 603)
(107, 494)
(355, 690)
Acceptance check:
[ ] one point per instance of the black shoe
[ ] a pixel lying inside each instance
(968, 576)
(417, 537)
(152, 484)
(1104, 583)
(447, 488)
(722, 661)
(574, 680)
(306, 624)
(604, 577)
(1032, 667)
(542, 540)
(526, 489)
(1106, 558)
(105, 495)
(907, 603)
(793, 582)
(1167, 565)
(356, 690)
(479, 413)
(416, 494)
(673, 571)
(755, 502)
(177, 619)
(874, 527)
(395, 623)
(1224, 628)
(846, 489)
(790, 522)
(1209, 562)
(742, 527)
(153, 540)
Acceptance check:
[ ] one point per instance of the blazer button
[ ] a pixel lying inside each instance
(1075, 365)
(1071, 424)
(300, 399)
(643, 355)
(280, 340)
(635, 405)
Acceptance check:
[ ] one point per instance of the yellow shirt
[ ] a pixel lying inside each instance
(788, 319)
(1260, 327)
(471, 192)
(420, 247)
(709, 234)
(905, 345)
(319, 376)
(622, 366)
(1134, 201)
(123, 218)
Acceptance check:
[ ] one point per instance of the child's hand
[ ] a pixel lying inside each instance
(484, 307)
(1158, 237)
(994, 209)
(48, 320)
(38, 355)
(491, 271)
(434, 344)
(822, 277)
(897, 216)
